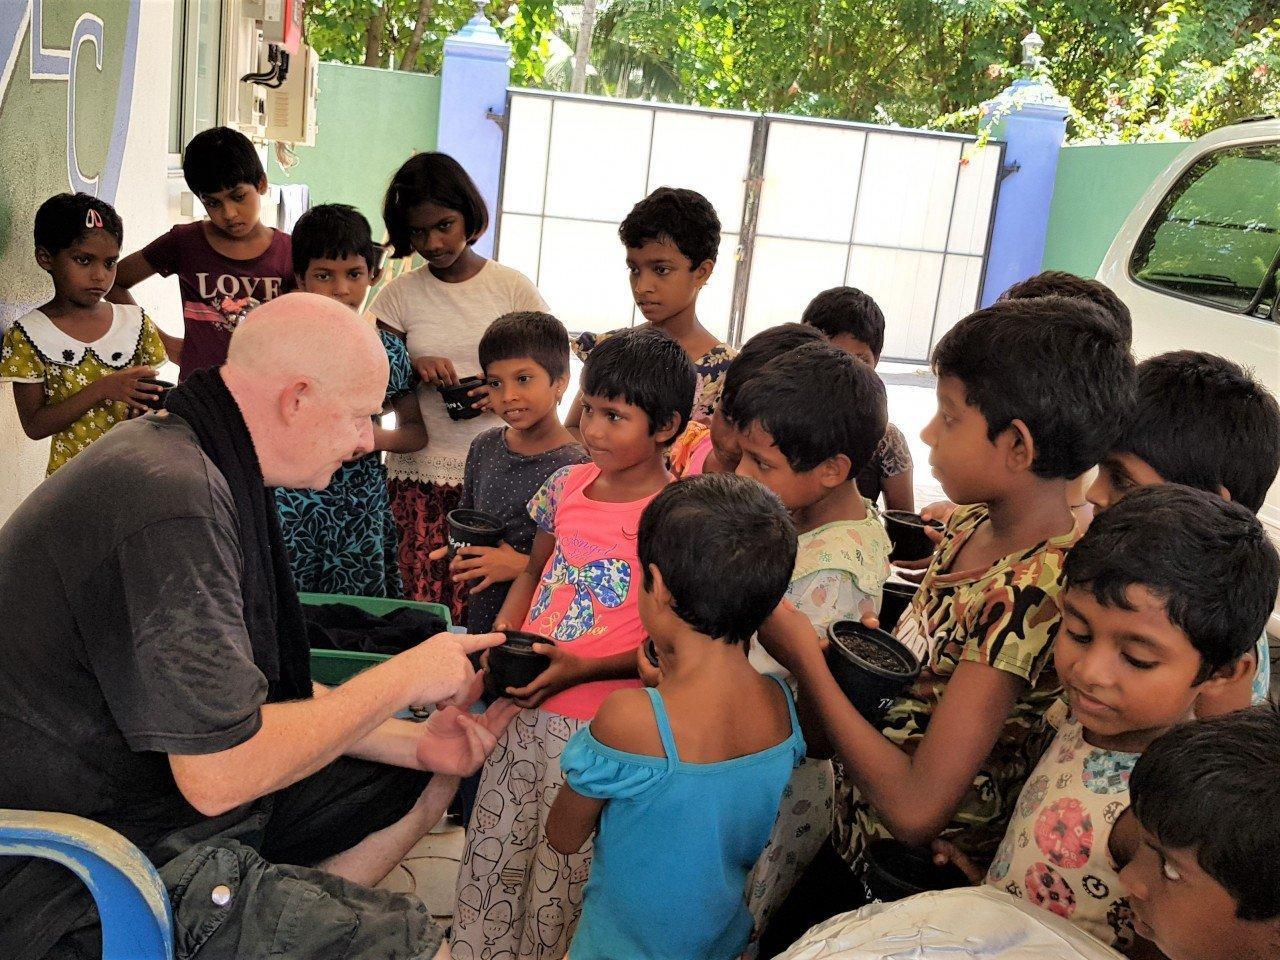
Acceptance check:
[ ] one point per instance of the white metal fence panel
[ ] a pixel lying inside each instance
(904, 215)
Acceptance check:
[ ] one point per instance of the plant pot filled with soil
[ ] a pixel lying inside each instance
(870, 666)
(907, 534)
(895, 871)
(457, 399)
(514, 663)
(473, 528)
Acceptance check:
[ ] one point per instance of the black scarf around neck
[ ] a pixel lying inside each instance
(272, 612)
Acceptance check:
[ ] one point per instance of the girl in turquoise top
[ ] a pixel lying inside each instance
(683, 782)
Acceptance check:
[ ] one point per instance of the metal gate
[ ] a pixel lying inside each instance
(804, 205)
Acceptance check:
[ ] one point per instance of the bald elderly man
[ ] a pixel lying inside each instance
(155, 671)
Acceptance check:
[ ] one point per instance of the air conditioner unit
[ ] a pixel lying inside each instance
(291, 108)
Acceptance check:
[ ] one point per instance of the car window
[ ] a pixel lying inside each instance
(1216, 234)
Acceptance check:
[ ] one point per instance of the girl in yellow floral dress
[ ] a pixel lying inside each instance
(80, 365)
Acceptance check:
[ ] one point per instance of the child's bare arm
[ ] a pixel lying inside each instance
(572, 820)
(172, 344)
(899, 493)
(409, 434)
(916, 795)
(520, 596)
(130, 271)
(40, 419)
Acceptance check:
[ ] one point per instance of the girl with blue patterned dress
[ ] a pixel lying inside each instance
(342, 539)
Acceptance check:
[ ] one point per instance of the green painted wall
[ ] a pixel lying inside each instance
(1096, 188)
(368, 122)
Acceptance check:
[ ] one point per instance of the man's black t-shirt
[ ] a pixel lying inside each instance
(122, 640)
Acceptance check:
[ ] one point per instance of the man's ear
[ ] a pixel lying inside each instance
(1224, 493)
(669, 429)
(293, 398)
(1022, 446)
(834, 471)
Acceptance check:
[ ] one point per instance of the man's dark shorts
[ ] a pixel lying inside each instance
(243, 886)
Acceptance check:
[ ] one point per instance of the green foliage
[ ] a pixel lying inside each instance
(1132, 70)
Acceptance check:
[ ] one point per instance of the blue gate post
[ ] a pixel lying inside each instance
(1031, 118)
(473, 88)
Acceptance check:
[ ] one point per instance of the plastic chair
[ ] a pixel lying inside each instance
(132, 902)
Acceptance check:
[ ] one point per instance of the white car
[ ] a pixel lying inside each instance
(1197, 258)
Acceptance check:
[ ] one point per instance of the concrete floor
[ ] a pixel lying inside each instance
(430, 871)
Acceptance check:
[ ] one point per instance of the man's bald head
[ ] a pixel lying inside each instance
(304, 334)
(307, 374)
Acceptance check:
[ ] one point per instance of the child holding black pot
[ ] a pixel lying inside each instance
(80, 365)
(1010, 432)
(581, 589)
(525, 359)
(1165, 596)
(713, 447)
(434, 209)
(854, 323)
(342, 539)
(683, 781)
(1203, 882)
(843, 558)
(1206, 422)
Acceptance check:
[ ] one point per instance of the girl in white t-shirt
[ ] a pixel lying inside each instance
(433, 209)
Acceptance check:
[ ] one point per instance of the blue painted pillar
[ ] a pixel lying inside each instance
(1031, 118)
(473, 83)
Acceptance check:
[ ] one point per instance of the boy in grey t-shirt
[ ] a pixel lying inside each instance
(525, 358)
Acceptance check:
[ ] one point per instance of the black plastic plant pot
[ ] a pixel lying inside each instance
(870, 667)
(895, 871)
(907, 534)
(514, 664)
(473, 528)
(893, 604)
(457, 403)
(157, 403)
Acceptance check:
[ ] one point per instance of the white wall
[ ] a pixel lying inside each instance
(145, 199)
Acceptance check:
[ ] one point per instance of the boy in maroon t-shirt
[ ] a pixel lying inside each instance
(226, 264)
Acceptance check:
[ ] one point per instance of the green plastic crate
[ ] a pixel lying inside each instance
(331, 667)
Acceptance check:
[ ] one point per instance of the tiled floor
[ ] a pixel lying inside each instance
(429, 871)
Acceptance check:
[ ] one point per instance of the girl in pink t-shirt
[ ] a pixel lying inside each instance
(516, 895)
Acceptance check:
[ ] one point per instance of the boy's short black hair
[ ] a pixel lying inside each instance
(218, 159)
(1213, 786)
(431, 178)
(740, 523)
(1208, 560)
(849, 311)
(333, 231)
(816, 402)
(539, 336)
(1204, 421)
(645, 368)
(1057, 364)
(1059, 283)
(758, 351)
(65, 217)
(685, 217)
